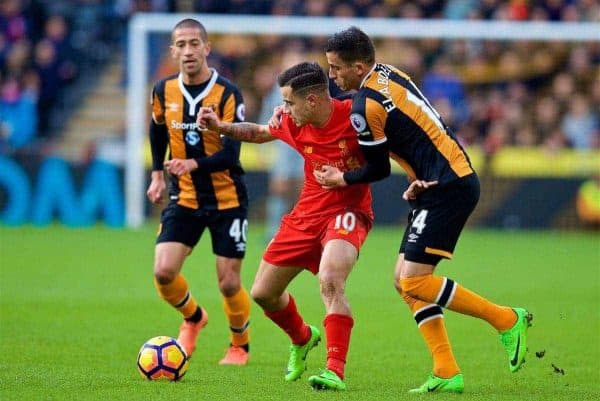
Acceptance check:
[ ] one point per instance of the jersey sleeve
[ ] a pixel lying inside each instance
(284, 131)
(234, 110)
(229, 156)
(158, 133)
(156, 102)
(368, 118)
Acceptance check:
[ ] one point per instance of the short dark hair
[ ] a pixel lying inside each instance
(352, 45)
(304, 76)
(192, 23)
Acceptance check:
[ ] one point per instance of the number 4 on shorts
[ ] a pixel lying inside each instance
(419, 221)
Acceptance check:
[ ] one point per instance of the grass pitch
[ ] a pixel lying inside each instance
(76, 305)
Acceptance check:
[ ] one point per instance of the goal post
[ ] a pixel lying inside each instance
(143, 24)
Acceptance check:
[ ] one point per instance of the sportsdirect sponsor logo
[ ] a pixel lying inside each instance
(184, 126)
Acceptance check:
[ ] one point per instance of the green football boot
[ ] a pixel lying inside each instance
(455, 384)
(326, 380)
(297, 362)
(515, 339)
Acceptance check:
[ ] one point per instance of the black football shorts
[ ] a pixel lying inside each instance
(227, 228)
(437, 218)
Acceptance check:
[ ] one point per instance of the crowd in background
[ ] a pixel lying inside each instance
(45, 47)
(492, 93)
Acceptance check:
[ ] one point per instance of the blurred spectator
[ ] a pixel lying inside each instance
(563, 87)
(554, 140)
(3, 49)
(18, 123)
(47, 67)
(546, 117)
(18, 58)
(442, 83)
(581, 67)
(579, 124)
(287, 170)
(56, 31)
(459, 9)
(498, 136)
(525, 136)
(12, 20)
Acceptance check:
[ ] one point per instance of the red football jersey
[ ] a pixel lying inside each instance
(335, 144)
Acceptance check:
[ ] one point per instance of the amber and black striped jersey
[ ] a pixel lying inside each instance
(218, 182)
(391, 115)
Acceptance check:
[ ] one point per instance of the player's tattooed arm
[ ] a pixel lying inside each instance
(245, 132)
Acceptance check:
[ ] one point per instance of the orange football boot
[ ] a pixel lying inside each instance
(188, 333)
(235, 356)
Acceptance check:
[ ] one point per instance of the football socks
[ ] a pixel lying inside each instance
(178, 295)
(237, 309)
(448, 294)
(291, 322)
(429, 319)
(337, 333)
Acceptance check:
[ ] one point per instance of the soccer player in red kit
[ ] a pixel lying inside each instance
(326, 228)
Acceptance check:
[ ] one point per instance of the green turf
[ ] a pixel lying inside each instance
(76, 305)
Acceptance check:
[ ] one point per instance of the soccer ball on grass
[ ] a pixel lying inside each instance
(162, 358)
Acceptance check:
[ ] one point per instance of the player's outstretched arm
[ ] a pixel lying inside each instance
(245, 132)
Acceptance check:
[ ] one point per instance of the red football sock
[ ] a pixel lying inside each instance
(291, 322)
(337, 332)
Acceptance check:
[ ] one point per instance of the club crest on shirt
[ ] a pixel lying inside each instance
(192, 137)
(358, 122)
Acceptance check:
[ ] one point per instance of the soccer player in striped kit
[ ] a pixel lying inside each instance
(393, 119)
(206, 189)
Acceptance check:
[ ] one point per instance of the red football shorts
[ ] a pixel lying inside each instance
(299, 243)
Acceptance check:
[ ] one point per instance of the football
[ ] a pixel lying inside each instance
(162, 358)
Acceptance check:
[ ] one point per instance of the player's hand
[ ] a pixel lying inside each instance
(156, 188)
(330, 177)
(416, 187)
(207, 119)
(275, 120)
(180, 167)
